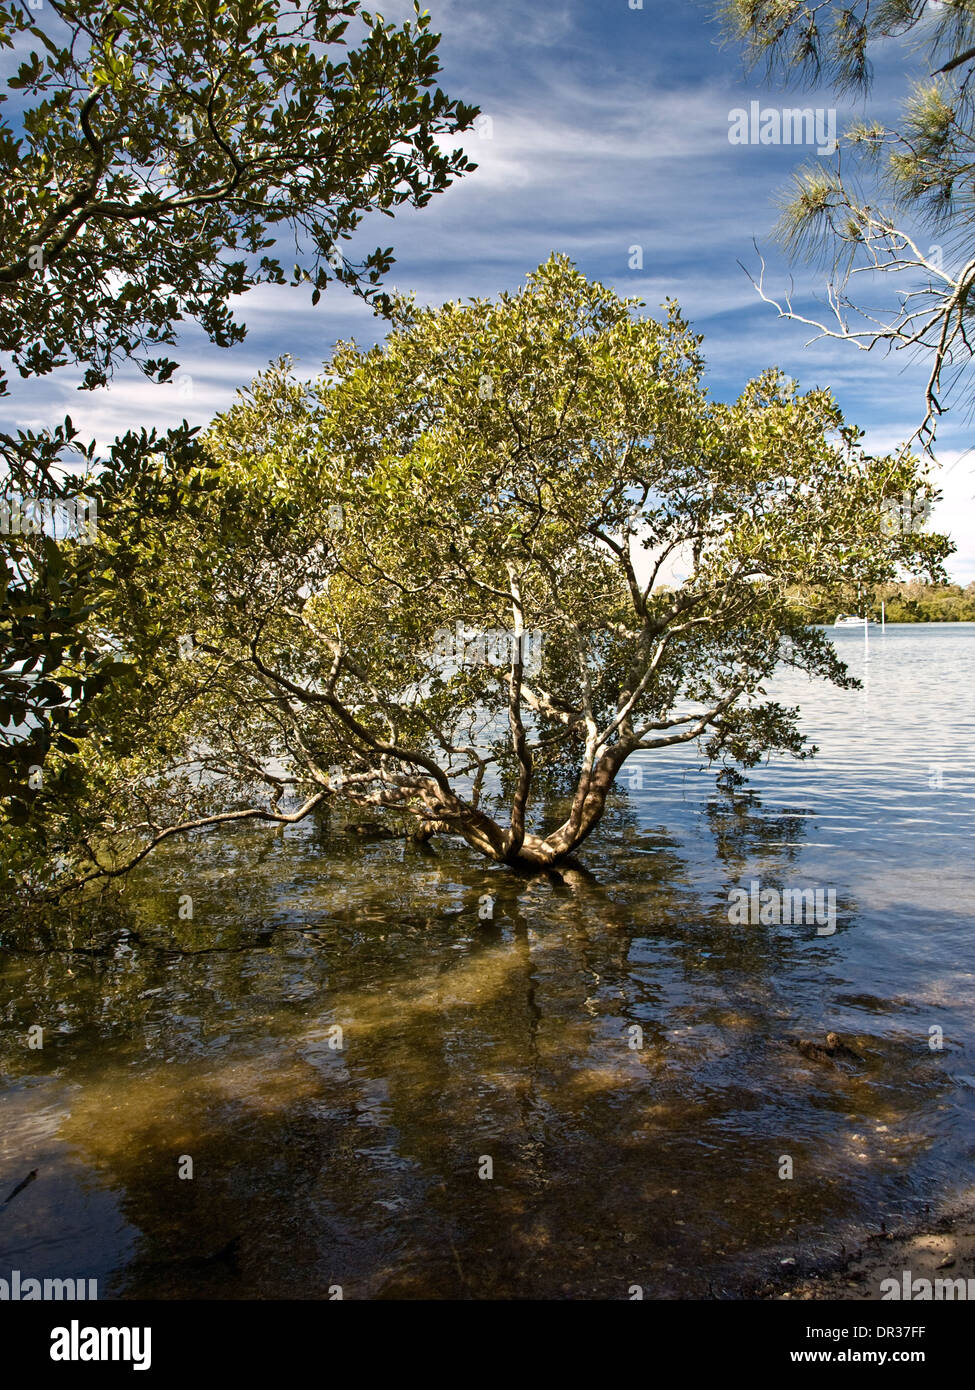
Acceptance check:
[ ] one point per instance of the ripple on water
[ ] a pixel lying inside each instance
(340, 1042)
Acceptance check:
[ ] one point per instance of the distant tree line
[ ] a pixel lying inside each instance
(912, 602)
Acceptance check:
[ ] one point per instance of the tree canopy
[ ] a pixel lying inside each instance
(169, 143)
(898, 203)
(158, 158)
(432, 579)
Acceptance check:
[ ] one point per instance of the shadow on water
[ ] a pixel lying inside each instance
(617, 1055)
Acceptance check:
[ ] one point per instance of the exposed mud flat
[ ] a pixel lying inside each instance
(926, 1263)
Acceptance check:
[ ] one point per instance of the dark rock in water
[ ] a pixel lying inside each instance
(31, 1177)
(838, 1048)
(372, 829)
(827, 1052)
(813, 1051)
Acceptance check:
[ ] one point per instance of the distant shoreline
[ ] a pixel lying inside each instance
(911, 622)
(912, 602)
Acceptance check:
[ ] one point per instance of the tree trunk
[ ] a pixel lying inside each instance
(535, 851)
(561, 843)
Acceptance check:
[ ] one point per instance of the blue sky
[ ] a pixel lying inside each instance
(608, 130)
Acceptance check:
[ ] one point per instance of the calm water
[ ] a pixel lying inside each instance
(465, 1039)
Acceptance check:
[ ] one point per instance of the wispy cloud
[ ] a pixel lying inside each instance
(608, 129)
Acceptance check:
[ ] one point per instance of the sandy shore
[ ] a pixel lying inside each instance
(942, 1249)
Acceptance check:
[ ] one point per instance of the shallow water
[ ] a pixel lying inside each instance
(317, 1165)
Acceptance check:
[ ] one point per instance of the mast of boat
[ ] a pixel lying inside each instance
(883, 616)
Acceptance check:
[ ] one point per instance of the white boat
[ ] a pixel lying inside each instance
(845, 620)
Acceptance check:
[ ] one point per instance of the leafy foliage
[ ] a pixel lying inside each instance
(153, 156)
(169, 142)
(530, 463)
(861, 216)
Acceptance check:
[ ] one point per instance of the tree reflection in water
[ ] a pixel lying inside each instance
(463, 1038)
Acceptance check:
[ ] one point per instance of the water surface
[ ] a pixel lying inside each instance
(318, 1166)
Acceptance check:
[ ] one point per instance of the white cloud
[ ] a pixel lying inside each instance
(609, 130)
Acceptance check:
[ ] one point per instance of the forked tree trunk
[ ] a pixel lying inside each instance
(536, 851)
